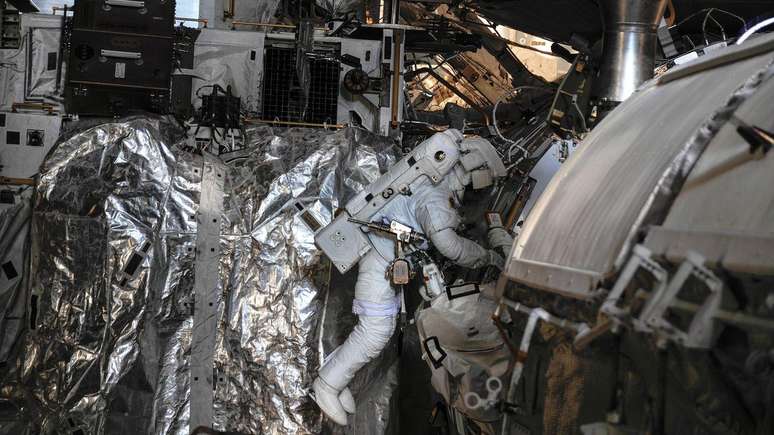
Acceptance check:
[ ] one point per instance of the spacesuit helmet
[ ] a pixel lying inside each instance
(443, 148)
(480, 159)
(479, 164)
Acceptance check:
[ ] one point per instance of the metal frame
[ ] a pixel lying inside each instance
(534, 314)
(206, 295)
(700, 333)
(622, 316)
(735, 252)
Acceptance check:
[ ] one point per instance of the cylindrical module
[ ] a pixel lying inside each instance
(629, 53)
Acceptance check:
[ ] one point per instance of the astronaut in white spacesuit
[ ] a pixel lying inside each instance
(428, 206)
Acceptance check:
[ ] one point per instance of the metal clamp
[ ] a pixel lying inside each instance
(700, 332)
(621, 315)
(493, 387)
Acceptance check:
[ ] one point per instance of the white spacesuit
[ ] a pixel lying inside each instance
(431, 208)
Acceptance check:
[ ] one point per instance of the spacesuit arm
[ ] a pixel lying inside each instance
(439, 220)
(462, 251)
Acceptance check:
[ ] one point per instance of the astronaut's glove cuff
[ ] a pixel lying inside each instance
(496, 259)
(499, 238)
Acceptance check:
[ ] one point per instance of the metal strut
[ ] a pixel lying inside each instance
(534, 314)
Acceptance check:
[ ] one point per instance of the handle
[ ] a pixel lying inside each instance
(494, 385)
(121, 54)
(473, 400)
(138, 4)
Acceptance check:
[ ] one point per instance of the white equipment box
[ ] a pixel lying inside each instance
(25, 139)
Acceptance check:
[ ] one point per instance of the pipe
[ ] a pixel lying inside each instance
(292, 123)
(28, 68)
(754, 29)
(396, 73)
(17, 181)
(255, 24)
(410, 76)
(32, 106)
(60, 53)
(629, 54)
(269, 25)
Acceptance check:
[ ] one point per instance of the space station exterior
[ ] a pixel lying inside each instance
(397, 217)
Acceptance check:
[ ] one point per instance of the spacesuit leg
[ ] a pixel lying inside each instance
(376, 306)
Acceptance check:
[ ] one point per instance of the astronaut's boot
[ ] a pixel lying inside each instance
(347, 401)
(327, 398)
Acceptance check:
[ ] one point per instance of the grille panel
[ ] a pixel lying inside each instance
(282, 95)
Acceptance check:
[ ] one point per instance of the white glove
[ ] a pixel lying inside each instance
(499, 238)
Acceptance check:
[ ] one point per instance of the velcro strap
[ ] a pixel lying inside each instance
(367, 308)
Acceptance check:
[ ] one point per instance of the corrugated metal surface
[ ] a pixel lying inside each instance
(725, 210)
(579, 227)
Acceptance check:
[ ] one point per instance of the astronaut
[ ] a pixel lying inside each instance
(429, 205)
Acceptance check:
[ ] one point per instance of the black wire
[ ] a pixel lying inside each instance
(708, 12)
(203, 87)
(214, 131)
(433, 68)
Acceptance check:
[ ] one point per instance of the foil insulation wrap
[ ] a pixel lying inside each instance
(11, 77)
(174, 290)
(42, 71)
(339, 8)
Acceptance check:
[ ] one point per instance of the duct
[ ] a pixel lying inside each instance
(14, 271)
(629, 53)
(122, 236)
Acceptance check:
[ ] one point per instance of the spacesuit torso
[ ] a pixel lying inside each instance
(433, 211)
(428, 209)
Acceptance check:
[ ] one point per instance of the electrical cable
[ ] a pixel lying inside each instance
(203, 87)
(471, 88)
(497, 129)
(709, 11)
(433, 68)
(754, 29)
(704, 26)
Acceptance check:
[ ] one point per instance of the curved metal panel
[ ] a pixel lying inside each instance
(591, 211)
(725, 209)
